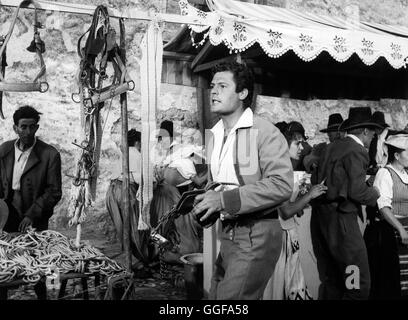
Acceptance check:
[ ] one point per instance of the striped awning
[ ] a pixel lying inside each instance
(239, 25)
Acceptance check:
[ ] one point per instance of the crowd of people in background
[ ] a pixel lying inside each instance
(363, 164)
(257, 199)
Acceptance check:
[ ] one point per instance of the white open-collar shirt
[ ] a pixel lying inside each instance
(383, 181)
(222, 162)
(20, 161)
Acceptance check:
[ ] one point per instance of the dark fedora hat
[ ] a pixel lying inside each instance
(378, 117)
(359, 117)
(334, 123)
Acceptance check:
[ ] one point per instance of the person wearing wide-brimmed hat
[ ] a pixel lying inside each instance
(386, 236)
(310, 161)
(333, 124)
(337, 240)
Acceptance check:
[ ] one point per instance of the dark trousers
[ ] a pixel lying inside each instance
(341, 254)
(247, 258)
(383, 258)
(139, 244)
(15, 217)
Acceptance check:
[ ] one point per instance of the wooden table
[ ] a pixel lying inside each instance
(4, 287)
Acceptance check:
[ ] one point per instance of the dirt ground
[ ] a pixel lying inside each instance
(157, 286)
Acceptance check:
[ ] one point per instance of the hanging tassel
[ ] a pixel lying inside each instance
(150, 70)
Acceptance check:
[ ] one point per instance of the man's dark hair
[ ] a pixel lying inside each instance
(133, 137)
(243, 77)
(26, 112)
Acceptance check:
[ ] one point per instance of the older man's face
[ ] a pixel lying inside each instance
(26, 130)
(368, 137)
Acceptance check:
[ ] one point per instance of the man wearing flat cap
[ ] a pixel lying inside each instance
(337, 240)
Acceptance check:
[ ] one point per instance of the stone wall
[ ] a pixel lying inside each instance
(60, 123)
(314, 114)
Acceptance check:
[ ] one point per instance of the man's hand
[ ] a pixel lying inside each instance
(25, 224)
(209, 202)
(317, 190)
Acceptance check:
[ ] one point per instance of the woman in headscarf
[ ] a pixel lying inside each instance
(386, 235)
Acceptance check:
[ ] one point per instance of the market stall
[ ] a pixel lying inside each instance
(237, 28)
(35, 256)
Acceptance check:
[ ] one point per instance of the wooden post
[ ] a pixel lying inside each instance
(201, 91)
(125, 164)
(125, 182)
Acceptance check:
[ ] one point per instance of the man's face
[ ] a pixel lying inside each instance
(368, 136)
(335, 135)
(224, 99)
(26, 130)
(378, 131)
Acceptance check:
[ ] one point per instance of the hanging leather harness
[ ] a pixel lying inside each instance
(37, 45)
(100, 49)
(101, 41)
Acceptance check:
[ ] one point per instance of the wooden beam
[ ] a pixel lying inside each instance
(202, 100)
(209, 65)
(200, 2)
(178, 56)
(128, 13)
(202, 54)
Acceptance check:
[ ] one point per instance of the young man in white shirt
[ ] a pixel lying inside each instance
(251, 155)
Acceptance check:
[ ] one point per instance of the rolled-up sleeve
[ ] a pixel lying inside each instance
(383, 182)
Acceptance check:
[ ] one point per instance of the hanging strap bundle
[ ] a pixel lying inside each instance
(37, 45)
(101, 42)
(100, 49)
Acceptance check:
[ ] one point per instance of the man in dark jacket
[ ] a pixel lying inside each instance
(337, 239)
(30, 180)
(30, 173)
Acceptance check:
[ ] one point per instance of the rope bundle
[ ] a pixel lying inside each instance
(31, 255)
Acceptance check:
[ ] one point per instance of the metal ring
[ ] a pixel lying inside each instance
(74, 96)
(44, 87)
(131, 85)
